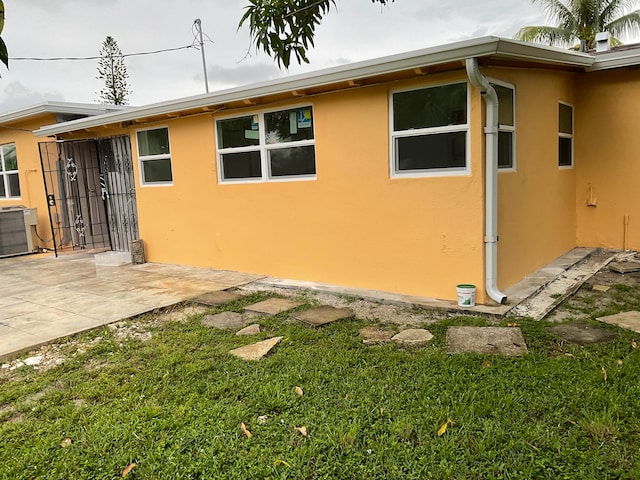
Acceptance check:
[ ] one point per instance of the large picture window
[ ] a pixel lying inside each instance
(154, 155)
(9, 179)
(429, 130)
(267, 146)
(565, 135)
(506, 126)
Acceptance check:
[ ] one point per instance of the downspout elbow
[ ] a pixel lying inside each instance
(491, 179)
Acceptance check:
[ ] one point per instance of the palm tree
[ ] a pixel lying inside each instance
(581, 20)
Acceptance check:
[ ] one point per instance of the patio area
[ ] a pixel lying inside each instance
(44, 297)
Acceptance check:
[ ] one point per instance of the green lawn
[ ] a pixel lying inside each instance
(173, 405)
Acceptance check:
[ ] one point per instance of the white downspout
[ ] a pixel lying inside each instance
(491, 182)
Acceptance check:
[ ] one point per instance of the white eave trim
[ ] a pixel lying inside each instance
(57, 108)
(482, 47)
(607, 61)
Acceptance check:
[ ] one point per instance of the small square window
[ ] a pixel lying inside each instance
(154, 155)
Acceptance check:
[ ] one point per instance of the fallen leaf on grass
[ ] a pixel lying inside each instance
(513, 324)
(443, 428)
(298, 391)
(302, 430)
(262, 419)
(619, 362)
(65, 442)
(604, 373)
(634, 344)
(127, 470)
(532, 445)
(571, 355)
(487, 364)
(281, 462)
(244, 429)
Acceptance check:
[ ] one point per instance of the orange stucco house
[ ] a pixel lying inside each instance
(475, 162)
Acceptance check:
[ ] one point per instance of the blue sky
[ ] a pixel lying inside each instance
(356, 30)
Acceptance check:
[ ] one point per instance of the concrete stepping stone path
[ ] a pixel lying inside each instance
(322, 315)
(215, 299)
(231, 320)
(272, 306)
(375, 335)
(582, 334)
(629, 320)
(507, 341)
(416, 337)
(256, 351)
(253, 329)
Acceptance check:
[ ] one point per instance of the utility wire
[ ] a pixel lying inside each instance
(98, 56)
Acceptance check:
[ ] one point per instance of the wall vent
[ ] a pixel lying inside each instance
(17, 229)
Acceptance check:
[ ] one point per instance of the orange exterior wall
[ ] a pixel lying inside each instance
(353, 226)
(536, 212)
(32, 191)
(608, 159)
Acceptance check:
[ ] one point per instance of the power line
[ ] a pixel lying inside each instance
(98, 56)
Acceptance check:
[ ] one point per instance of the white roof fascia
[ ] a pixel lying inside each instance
(57, 107)
(486, 46)
(607, 61)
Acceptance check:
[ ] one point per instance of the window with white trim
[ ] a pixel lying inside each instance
(276, 145)
(506, 126)
(9, 178)
(565, 135)
(154, 155)
(429, 130)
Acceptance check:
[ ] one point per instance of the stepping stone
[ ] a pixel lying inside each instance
(272, 306)
(375, 335)
(250, 330)
(256, 351)
(322, 315)
(628, 320)
(506, 341)
(600, 288)
(416, 337)
(582, 334)
(215, 299)
(624, 267)
(222, 320)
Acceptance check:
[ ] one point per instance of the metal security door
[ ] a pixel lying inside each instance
(118, 190)
(72, 181)
(90, 193)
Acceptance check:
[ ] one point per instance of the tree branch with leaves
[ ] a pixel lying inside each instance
(4, 54)
(286, 28)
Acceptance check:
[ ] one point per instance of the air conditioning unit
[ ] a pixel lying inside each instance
(17, 231)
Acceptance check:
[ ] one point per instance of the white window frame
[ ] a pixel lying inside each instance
(566, 135)
(508, 128)
(432, 172)
(264, 148)
(144, 158)
(4, 174)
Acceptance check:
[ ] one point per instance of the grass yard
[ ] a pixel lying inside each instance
(172, 404)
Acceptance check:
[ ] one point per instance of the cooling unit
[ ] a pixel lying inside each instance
(17, 229)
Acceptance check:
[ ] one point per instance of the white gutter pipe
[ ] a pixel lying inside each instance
(491, 182)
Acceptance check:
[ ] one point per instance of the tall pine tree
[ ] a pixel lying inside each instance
(112, 70)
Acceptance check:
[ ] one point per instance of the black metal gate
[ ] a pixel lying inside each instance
(90, 192)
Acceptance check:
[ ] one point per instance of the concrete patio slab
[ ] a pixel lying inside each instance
(628, 320)
(507, 341)
(272, 306)
(322, 315)
(249, 330)
(45, 298)
(625, 267)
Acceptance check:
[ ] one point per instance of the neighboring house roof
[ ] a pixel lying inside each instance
(65, 110)
(499, 51)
